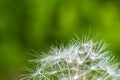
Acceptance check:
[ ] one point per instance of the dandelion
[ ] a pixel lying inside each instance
(79, 60)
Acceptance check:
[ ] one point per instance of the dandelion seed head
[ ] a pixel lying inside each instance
(80, 59)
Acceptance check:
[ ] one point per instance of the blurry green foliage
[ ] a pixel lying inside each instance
(36, 24)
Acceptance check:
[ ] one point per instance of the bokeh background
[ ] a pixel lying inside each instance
(37, 24)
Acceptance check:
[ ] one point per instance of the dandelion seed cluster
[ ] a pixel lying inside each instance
(79, 60)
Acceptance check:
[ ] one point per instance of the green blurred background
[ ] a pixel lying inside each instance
(37, 24)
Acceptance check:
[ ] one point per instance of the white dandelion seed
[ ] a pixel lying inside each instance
(80, 60)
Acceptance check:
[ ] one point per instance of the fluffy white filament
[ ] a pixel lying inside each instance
(79, 60)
